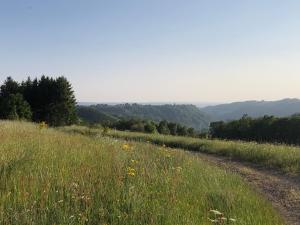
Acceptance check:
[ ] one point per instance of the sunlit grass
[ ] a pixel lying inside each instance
(282, 157)
(50, 177)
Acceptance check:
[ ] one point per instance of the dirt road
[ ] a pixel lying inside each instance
(282, 190)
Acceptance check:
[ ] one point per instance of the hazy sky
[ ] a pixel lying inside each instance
(156, 50)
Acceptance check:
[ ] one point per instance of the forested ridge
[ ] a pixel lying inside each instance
(255, 109)
(188, 115)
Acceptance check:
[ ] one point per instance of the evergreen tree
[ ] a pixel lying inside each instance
(150, 127)
(50, 100)
(173, 128)
(163, 127)
(181, 130)
(62, 108)
(9, 87)
(15, 107)
(191, 132)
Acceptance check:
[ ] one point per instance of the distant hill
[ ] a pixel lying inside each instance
(236, 110)
(92, 115)
(188, 115)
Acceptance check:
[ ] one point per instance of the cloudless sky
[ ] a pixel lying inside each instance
(156, 50)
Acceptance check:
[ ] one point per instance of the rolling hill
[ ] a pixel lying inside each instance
(92, 115)
(236, 110)
(188, 115)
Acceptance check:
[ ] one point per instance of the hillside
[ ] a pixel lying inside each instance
(236, 110)
(49, 177)
(188, 115)
(92, 115)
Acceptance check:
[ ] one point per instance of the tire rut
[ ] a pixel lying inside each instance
(282, 190)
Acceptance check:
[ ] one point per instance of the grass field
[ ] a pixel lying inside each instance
(283, 157)
(50, 177)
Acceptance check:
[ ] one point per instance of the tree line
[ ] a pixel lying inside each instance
(264, 129)
(149, 126)
(188, 115)
(46, 99)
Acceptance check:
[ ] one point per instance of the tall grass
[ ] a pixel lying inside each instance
(282, 157)
(50, 177)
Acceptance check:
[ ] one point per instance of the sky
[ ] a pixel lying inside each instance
(156, 50)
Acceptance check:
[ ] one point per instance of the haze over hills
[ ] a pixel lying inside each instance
(235, 110)
(188, 115)
(198, 104)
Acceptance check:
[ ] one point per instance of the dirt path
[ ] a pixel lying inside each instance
(282, 190)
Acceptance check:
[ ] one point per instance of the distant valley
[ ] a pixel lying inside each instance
(187, 114)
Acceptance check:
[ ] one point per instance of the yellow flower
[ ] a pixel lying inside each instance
(131, 174)
(134, 161)
(131, 171)
(43, 125)
(125, 147)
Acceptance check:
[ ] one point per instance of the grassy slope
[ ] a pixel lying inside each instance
(49, 177)
(282, 157)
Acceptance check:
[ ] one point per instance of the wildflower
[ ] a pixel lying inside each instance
(131, 171)
(134, 161)
(125, 147)
(163, 145)
(43, 125)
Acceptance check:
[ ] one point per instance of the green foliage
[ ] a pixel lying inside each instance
(182, 130)
(150, 127)
(91, 115)
(13, 107)
(191, 132)
(172, 128)
(47, 99)
(188, 115)
(282, 157)
(50, 177)
(138, 127)
(255, 109)
(9, 87)
(12, 104)
(163, 127)
(264, 129)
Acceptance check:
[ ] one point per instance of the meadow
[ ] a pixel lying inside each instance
(52, 177)
(282, 157)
